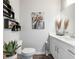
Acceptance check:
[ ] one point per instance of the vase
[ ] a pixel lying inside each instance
(60, 32)
(59, 27)
(12, 57)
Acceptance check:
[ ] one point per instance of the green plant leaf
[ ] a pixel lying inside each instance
(10, 48)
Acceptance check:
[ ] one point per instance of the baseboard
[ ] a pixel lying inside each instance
(38, 52)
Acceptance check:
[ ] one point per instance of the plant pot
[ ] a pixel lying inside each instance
(12, 57)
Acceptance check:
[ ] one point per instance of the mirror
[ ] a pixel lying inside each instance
(66, 3)
(68, 11)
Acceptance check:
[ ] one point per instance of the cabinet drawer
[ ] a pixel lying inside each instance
(63, 45)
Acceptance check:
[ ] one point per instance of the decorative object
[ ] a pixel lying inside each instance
(11, 24)
(8, 24)
(61, 26)
(58, 24)
(37, 20)
(66, 23)
(16, 27)
(9, 49)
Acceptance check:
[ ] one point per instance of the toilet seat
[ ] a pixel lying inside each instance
(28, 51)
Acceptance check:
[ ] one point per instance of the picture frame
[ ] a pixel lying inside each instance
(8, 23)
(38, 20)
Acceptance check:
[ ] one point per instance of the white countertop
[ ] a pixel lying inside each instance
(65, 39)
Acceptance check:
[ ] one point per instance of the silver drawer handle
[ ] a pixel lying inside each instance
(71, 52)
(55, 48)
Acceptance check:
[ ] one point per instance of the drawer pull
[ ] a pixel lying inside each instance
(71, 52)
(55, 48)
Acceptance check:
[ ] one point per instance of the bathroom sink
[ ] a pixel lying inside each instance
(72, 37)
(69, 37)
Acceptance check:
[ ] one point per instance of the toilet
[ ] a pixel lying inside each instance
(27, 53)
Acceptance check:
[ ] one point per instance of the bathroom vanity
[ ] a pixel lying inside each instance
(62, 47)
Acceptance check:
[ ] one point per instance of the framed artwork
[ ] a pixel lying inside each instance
(8, 24)
(37, 20)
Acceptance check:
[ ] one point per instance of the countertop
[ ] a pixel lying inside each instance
(66, 39)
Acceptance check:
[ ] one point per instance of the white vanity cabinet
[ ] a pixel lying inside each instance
(53, 48)
(61, 50)
(65, 54)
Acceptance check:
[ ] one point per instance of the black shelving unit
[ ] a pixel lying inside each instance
(7, 10)
(9, 22)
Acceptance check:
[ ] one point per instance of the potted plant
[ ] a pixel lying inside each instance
(9, 49)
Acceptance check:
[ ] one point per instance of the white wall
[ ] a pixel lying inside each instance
(8, 34)
(36, 38)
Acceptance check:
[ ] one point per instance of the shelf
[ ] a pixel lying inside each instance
(8, 5)
(9, 16)
(6, 23)
(7, 10)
